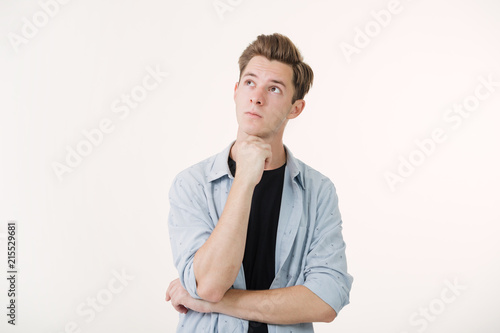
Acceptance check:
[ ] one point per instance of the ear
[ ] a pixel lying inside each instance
(235, 89)
(297, 109)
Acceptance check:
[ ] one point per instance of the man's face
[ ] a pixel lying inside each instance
(263, 98)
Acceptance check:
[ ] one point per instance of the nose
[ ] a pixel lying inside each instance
(257, 97)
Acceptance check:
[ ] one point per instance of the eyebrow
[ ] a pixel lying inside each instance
(273, 80)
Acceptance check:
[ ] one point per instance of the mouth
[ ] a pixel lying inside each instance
(253, 114)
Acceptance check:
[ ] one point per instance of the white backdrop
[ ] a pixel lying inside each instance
(104, 102)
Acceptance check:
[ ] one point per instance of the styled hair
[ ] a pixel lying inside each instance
(279, 47)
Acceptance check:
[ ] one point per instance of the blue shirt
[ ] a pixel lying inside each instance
(310, 250)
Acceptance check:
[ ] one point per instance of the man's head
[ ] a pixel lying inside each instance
(280, 48)
(272, 84)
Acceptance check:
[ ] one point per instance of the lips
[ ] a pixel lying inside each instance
(253, 114)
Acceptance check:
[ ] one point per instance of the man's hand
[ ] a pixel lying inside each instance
(182, 301)
(251, 155)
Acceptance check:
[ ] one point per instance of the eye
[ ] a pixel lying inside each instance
(276, 90)
(249, 83)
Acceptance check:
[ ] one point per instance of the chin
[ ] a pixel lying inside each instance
(254, 129)
(250, 129)
(253, 132)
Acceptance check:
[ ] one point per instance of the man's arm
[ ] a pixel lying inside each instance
(325, 290)
(217, 263)
(283, 306)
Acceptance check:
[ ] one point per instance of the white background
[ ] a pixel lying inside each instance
(404, 247)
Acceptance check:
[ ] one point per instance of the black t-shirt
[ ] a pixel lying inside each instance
(259, 258)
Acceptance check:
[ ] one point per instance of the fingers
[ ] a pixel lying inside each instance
(171, 286)
(171, 289)
(182, 301)
(252, 156)
(252, 142)
(174, 294)
(180, 308)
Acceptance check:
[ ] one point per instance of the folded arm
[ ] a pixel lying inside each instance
(283, 306)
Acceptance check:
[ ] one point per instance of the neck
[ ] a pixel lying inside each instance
(277, 149)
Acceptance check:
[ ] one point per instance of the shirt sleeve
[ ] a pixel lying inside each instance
(326, 266)
(190, 225)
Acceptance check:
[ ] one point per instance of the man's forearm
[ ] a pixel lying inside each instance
(291, 305)
(218, 261)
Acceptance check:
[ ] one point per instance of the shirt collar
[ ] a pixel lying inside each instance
(293, 164)
(219, 167)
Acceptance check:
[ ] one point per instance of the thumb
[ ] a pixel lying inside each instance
(268, 160)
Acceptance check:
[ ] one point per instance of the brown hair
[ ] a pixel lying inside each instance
(279, 47)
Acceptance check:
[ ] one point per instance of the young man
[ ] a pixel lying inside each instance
(256, 233)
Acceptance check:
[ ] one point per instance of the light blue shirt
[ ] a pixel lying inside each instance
(310, 250)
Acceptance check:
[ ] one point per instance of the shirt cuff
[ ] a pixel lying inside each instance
(328, 291)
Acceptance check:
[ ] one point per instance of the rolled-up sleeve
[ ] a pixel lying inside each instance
(326, 266)
(189, 226)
